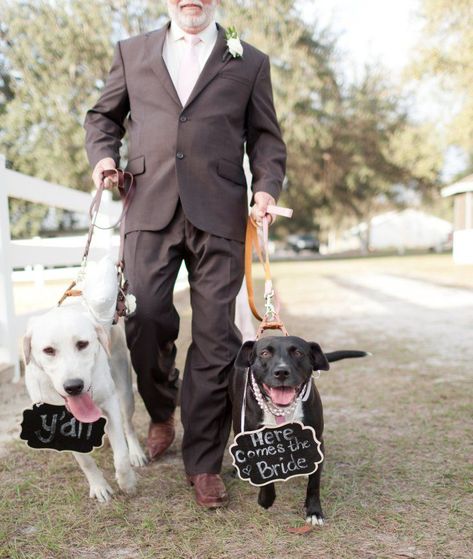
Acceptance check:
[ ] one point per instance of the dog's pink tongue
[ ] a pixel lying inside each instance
(283, 395)
(83, 408)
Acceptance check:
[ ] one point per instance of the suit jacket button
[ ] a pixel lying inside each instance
(180, 155)
(183, 119)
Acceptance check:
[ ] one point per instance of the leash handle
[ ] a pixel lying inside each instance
(125, 195)
(278, 210)
(270, 320)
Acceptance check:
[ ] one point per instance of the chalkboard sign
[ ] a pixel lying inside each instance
(276, 453)
(54, 427)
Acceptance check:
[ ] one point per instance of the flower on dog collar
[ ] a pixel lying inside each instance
(130, 303)
(234, 46)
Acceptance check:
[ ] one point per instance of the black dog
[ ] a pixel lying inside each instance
(281, 368)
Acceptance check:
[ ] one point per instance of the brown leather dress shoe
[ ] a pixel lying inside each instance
(160, 437)
(209, 490)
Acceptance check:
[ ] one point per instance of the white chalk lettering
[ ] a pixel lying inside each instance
(268, 471)
(48, 428)
(271, 437)
(68, 429)
(240, 456)
(301, 463)
(296, 444)
(288, 434)
(265, 451)
(257, 439)
(265, 470)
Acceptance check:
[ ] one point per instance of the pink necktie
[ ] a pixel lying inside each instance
(189, 70)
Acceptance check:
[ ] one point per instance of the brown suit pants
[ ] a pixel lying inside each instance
(215, 271)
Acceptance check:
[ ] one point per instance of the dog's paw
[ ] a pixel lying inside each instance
(137, 457)
(267, 496)
(315, 519)
(101, 491)
(126, 480)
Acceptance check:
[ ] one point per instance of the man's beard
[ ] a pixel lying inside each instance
(187, 21)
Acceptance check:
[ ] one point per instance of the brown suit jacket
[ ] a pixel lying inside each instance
(194, 152)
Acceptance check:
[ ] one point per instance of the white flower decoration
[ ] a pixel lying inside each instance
(234, 46)
(130, 303)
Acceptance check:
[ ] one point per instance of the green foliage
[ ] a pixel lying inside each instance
(56, 57)
(377, 154)
(59, 59)
(446, 55)
(306, 95)
(345, 146)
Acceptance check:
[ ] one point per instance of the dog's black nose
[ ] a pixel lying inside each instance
(74, 386)
(281, 374)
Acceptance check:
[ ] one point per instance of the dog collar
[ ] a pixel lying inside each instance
(273, 409)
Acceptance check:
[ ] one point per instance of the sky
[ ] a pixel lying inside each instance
(385, 32)
(369, 30)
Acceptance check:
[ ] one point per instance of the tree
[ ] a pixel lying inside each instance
(306, 94)
(378, 154)
(6, 92)
(446, 56)
(60, 60)
(339, 139)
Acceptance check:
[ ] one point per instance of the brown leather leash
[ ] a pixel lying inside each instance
(126, 195)
(270, 319)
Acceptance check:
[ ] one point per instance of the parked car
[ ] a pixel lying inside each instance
(298, 243)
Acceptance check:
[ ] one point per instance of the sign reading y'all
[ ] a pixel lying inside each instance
(276, 453)
(53, 427)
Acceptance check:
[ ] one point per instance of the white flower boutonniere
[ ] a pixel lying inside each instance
(234, 46)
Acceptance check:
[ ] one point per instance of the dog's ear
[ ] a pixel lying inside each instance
(103, 339)
(27, 341)
(317, 357)
(244, 357)
(27, 347)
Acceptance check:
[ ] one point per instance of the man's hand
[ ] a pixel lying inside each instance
(97, 176)
(259, 210)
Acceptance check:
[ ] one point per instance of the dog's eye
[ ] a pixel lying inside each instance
(265, 354)
(82, 344)
(298, 353)
(49, 351)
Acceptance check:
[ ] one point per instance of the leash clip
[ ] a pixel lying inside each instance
(270, 310)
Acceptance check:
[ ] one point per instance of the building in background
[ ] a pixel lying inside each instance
(408, 229)
(462, 192)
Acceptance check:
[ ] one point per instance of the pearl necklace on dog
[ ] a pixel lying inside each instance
(273, 409)
(276, 411)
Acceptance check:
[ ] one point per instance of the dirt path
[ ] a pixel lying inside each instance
(399, 439)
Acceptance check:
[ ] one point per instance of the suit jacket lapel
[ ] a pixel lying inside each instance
(216, 61)
(154, 46)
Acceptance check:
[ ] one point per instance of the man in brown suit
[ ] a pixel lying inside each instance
(189, 106)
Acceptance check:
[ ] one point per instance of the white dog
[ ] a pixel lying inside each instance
(69, 361)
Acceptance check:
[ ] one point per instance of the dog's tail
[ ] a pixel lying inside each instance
(345, 354)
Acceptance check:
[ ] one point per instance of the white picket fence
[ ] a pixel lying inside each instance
(40, 253)
(60, 252)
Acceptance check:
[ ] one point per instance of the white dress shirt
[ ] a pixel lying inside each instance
(174, 46)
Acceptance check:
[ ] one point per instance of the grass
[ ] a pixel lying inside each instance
(398, 473)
